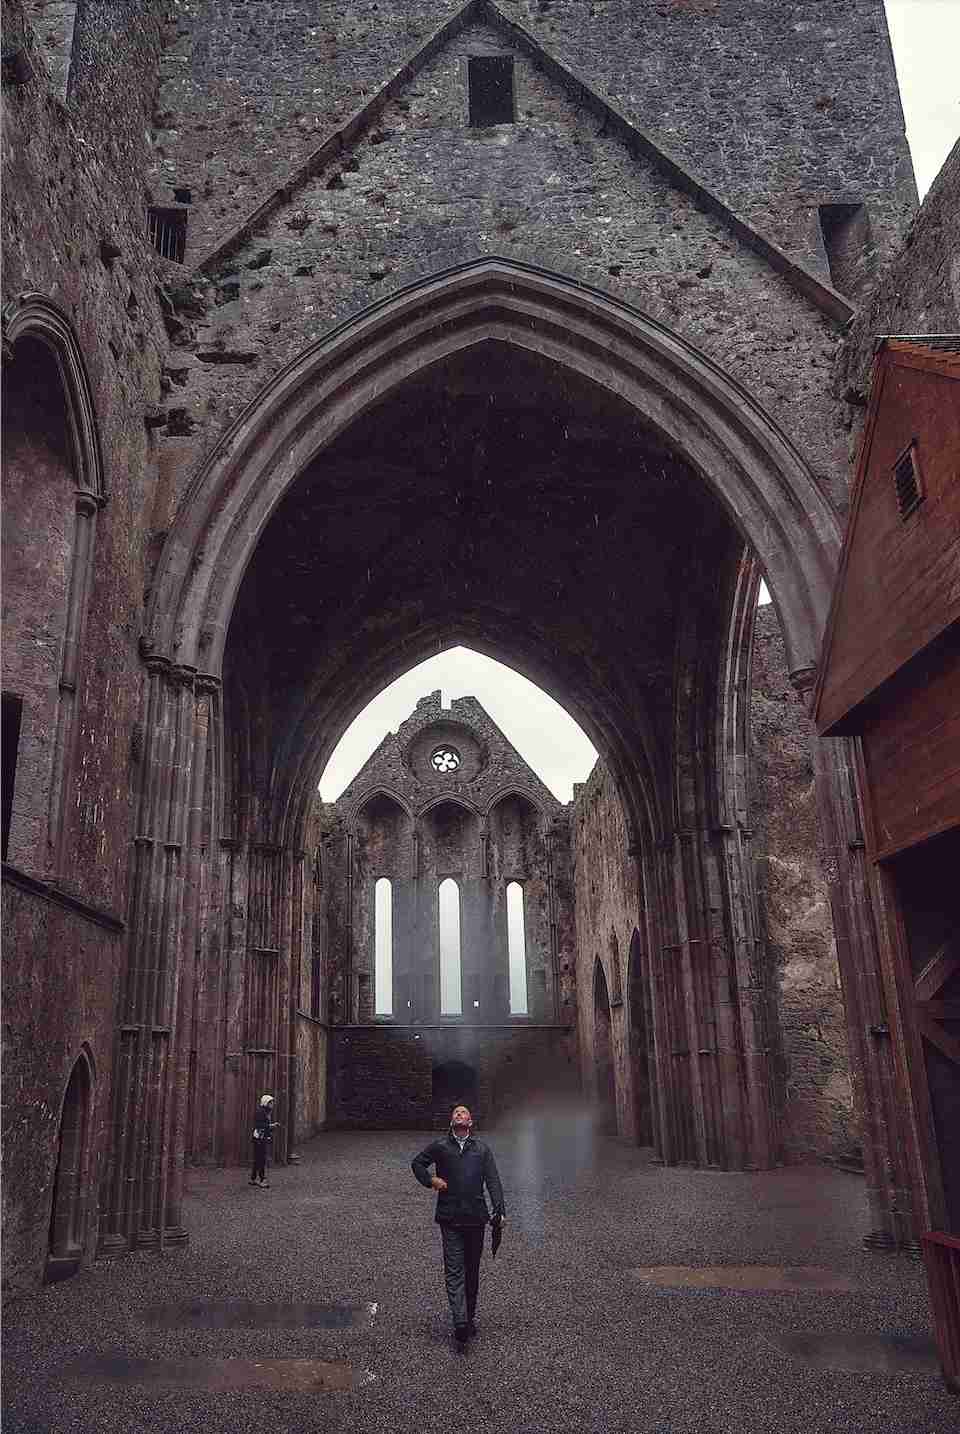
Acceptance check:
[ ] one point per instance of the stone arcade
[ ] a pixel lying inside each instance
(335, 334)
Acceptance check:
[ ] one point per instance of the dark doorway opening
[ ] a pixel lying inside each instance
(454, 1083)
(68, 1208)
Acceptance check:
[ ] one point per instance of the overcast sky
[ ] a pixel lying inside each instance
(926, 44)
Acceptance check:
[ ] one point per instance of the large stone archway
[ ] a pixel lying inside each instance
(222, 878)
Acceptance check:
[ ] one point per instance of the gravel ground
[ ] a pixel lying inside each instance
(569, 1339)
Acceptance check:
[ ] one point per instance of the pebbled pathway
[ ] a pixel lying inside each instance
(571, 1341)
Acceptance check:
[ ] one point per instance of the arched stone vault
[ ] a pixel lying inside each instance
(736, 448)
(751, 504)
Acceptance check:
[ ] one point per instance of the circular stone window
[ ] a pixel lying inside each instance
(445, 759)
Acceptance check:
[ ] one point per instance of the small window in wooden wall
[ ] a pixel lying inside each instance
(906, 480)
(448, 901)
(490, 82)
(168, 232)
(517, 950)
(383, 947)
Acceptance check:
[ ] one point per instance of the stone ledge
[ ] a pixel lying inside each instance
(12, 876)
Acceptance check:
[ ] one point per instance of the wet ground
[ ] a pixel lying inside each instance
(318, 1305)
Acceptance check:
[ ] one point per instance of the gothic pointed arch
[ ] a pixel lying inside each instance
(54, 489)
(70, 1198)
(732, 443)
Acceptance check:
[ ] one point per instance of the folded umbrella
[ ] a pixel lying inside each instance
(496, 1234)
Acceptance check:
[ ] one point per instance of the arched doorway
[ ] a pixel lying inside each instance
(68, 1208)
(605, 1080)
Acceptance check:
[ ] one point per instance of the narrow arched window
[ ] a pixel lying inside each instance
(451, 1001)
(517, 950)
(383, 947)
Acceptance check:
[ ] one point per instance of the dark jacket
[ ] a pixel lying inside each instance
(462, 1203)
(263, 1125)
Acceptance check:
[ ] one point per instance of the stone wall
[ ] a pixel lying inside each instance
(414, 189)
(815, 1094)
(919, 293)
(607, 912)
(385, 1077)
(73, 231)
(780, 106)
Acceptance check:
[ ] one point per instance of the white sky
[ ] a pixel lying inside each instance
(925, 35)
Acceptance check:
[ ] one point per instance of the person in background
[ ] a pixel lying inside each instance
(262, 1139)
(462, 1166)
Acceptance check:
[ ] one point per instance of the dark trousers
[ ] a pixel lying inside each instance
(462, 1248)
(259, 1171)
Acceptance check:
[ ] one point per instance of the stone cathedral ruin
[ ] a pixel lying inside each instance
(335, 334)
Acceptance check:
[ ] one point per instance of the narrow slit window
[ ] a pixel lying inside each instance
(168, 232)
(383, 947)
(490, 83)
(451, 999)
(517, 950)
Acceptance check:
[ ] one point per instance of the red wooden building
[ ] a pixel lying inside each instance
(890, 675)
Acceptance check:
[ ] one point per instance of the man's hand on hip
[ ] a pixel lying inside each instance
(437, 1183)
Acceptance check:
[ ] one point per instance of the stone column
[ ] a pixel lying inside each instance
(148, 1095)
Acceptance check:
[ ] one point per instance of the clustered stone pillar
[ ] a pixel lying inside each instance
(709, 1048)
(143, 1185)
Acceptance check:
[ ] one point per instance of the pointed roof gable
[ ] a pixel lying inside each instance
(640, 144)
(898, 583)
(502, 770)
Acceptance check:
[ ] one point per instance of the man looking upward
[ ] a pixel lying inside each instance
(462, 1165)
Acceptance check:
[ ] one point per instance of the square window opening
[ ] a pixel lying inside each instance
(168, 232)
(490, 83)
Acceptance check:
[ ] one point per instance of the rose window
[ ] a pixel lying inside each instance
(445, 759)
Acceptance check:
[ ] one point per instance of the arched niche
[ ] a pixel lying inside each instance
(640, 1042)
(449, 840)
(68, 1208)
(516, 840)
(53, 488)
(604, 1075)
(384, 828)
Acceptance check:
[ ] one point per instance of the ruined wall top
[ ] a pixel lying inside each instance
(780, 106)
(919, 293)
(456, 752)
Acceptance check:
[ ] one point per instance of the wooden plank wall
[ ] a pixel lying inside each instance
(911, 751)
(899, 584)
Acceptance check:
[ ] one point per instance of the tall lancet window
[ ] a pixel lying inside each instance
(517, 949)
(451, 1000)
(383, 947)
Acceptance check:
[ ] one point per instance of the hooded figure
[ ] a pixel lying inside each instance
(463, 1166)
(262, 1138)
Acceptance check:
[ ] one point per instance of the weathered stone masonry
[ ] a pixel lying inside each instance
(484, 823)
(559, 388)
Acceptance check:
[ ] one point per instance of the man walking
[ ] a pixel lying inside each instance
(462, 1165)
